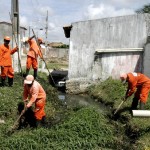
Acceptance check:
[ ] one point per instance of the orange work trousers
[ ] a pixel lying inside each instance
(142, 93)
(31, 61)
(39, 109)
(7, 72)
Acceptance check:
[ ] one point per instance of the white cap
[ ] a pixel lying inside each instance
(29, 79)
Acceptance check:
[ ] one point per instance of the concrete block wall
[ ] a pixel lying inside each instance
(124, 32)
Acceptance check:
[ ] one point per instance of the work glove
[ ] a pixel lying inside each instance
(17, 48)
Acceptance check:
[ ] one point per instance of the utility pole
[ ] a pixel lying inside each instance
(15, 33)
(46, 33)
(29, 31)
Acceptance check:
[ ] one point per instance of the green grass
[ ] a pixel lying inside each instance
(55, 64)
(82, 128)
(110, 92)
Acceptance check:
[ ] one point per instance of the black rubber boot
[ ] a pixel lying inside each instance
(35, 73)
(10, 82)
(43, 121)
(134, 103)
(2, 82)
(27, 71)
(142, 105)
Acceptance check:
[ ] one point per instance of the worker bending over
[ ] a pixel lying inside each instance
(139, 84)
(34, 94)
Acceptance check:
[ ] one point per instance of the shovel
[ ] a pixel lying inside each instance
(11, 130)
(120, 106)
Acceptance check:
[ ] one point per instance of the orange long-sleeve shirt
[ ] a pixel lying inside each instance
(34, 50)
(136, 80)
(5, 55)
(35, 92)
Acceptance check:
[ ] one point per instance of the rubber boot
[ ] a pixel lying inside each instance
(43, 121)
(35, 73)
(27, 71)
(3, 82)
(38, 123)
(134, 103)
(10, 82)
(142, 105)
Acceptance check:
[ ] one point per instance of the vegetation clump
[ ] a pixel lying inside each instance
(134, 131)
(75, 128)
(82, 128)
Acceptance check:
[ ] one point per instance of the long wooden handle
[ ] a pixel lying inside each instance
(16, 122)
(119, 107)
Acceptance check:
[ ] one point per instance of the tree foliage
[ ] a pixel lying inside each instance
(144, 9)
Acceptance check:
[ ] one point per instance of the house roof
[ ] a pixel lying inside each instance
(7, 23)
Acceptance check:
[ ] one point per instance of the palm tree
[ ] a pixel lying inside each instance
(144, 9)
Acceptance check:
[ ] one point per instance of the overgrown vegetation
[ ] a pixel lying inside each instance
(61, 46)
(134, 132)
(55, 63)
(80, 128)
(144, 9)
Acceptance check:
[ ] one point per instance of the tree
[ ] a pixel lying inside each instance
(144, 9)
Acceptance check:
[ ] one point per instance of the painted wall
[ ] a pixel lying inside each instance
(57, 52)
(88, 40)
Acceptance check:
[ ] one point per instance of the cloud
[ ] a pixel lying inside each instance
(24, 21)
(51, 26)
(103, 10)
(43, 11)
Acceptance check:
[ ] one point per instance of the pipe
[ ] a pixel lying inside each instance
(141, 113)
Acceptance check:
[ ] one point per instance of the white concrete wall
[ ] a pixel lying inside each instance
(108, 33)
(58, 52)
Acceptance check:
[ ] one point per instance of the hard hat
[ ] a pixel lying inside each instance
(40, 39)
(29, 79)
(7, 38)
(123, 77)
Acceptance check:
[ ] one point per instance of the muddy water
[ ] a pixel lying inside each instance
(74, 101)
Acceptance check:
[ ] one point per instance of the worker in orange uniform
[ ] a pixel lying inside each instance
(6, 61)
(34, 94)
(139, 84)
(32, 56)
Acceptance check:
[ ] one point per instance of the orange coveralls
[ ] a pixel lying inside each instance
(140, 84)
(32, 55)
(6, 61)
(37, 95)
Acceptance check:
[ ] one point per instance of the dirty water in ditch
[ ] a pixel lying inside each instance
(77, 101)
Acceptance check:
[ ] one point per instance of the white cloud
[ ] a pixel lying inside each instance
(24, 21)
(43, 11)
(102, 11)
(51, 26)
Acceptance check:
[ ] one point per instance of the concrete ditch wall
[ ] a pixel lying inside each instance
(106, 47)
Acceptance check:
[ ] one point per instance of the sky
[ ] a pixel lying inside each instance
(32, 13)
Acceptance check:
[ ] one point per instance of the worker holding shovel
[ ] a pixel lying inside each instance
(139, 84)
(34, 94)
(32, 56)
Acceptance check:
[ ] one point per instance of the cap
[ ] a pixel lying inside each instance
(29, 79)
(7, 38)
(40, 39)
(123, 77)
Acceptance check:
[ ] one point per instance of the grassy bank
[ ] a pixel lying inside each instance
(80, 128)
(135, 131)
